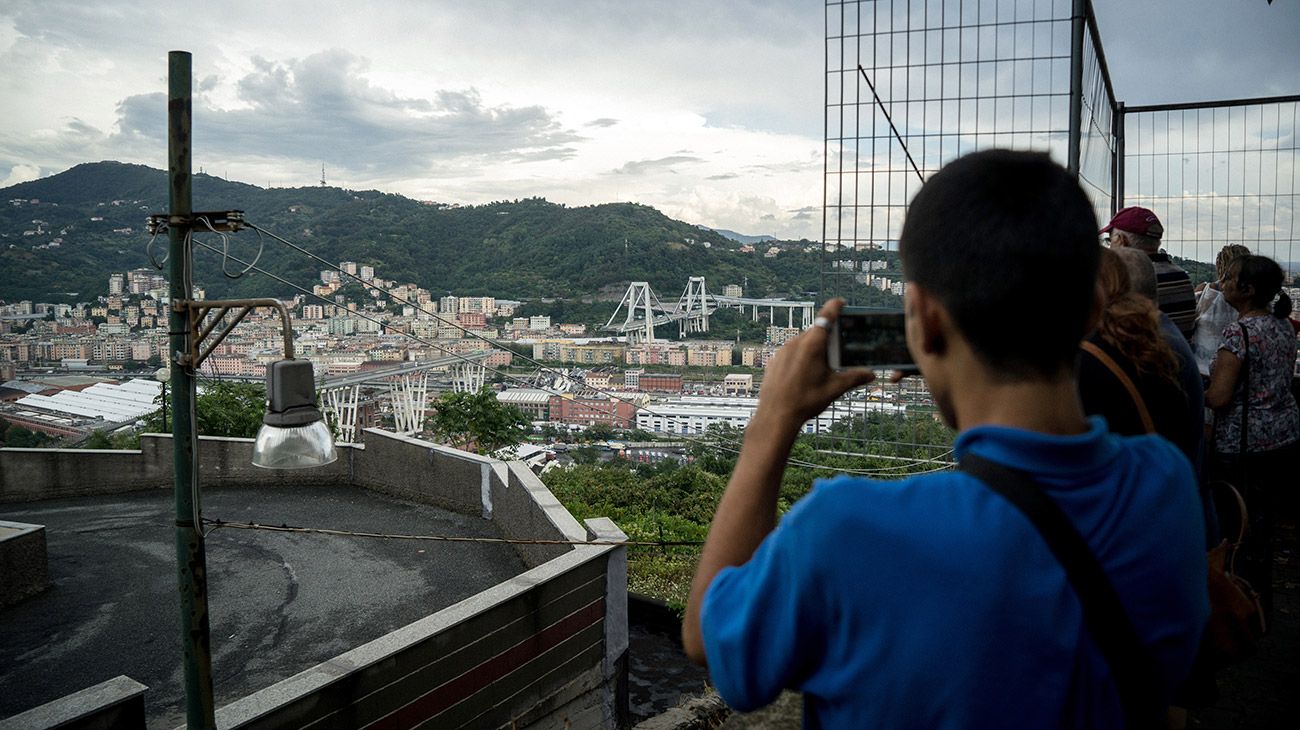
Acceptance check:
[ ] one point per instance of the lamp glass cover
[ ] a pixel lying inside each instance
(294, 447)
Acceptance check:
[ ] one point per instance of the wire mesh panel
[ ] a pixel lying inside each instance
(1218, 173)
(953, 76)
(1097, 144)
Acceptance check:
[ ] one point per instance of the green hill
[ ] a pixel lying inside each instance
(512, 249)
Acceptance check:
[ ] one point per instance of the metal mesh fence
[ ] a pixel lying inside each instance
(912, 84)
(1217, 173)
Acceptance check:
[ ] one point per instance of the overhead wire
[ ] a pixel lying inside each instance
(220, 524)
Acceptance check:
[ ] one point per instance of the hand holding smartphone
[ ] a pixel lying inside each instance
(869, 338)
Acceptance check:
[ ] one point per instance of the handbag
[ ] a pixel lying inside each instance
(1237, 619)
(1236, 613)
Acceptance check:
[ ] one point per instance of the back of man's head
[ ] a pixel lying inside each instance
(1007, 241)
(1141, 272)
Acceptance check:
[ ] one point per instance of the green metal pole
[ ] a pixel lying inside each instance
(191, 562)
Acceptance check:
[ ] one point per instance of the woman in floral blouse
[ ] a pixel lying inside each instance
(1250, 385)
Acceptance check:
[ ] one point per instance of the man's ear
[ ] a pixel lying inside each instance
(927, 321)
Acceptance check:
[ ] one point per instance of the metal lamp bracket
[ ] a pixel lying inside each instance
(197, 310)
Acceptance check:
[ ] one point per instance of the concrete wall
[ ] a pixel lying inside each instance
(117, 704)
(29, 475)
(509, 494)
(24, 568)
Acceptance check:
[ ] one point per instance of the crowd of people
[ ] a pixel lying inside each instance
(1057, 578)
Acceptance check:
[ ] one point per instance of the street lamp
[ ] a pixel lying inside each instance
(293, 434)
(163, 375)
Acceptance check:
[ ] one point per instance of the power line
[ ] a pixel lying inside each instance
(219, 524)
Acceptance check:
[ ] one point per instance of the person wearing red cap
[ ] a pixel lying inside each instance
(1137, 227)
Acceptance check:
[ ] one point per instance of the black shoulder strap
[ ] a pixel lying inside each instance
(1104, 615)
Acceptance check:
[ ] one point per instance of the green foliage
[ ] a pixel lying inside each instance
(119, 440)
(97, 440)
(1199, 271)
(478, 421)
(223, 409)
(661, 502)
(17, 437)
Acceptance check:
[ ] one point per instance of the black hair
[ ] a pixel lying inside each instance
(1008, 242)
(1263, 273)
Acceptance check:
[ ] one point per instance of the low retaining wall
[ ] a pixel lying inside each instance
(30, 475)
(23, 567)
(117, 704)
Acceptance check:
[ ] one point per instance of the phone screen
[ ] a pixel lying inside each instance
(869, 338)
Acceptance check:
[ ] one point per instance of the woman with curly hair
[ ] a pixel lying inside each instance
(1213, 312)
(1128, 340)
(1256, 420)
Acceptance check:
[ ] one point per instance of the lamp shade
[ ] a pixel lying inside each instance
(293, 433)
(294, 447)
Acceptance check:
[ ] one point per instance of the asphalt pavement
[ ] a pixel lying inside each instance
(279, 603)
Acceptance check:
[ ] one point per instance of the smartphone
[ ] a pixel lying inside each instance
(865, 337)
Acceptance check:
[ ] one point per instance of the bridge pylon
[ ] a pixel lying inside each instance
(638, 306)
(468, 377)
(694, 307)
(409, 397)
(342, 404)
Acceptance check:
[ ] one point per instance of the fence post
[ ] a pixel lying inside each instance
(1117, 169)
(1077, 24)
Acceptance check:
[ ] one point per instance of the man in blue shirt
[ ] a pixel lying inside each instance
(932, 601)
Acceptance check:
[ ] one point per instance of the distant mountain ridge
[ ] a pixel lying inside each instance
(742, 238)
(89, 221)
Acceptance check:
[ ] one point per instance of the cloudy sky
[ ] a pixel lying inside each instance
(710, 111)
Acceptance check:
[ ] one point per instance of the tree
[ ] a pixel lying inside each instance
(223, 409)
(585, 454)
(97, 440)
(478, 422)
(18, 437)
(598, 432)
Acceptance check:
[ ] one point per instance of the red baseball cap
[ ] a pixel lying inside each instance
(1136, 219)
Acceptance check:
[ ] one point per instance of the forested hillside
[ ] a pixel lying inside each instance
(515, 249)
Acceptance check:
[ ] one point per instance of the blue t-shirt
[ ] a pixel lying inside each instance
(932, 602)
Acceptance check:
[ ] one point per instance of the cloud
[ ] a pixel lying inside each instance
(662, 164)
(723, 176)
(20, 174)
(322, 107)
(602, 122)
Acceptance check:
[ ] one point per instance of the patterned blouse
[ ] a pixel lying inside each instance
(1274, 418)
